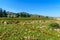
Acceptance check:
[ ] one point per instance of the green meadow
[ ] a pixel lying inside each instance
(17, 29)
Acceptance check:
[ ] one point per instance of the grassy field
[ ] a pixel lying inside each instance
(28, 30)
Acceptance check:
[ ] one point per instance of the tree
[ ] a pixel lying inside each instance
(23, 14)
(47, 17)
(1, 12)
(17, 15)
(4, 13)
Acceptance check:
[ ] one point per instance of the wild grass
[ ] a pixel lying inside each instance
(28, 30)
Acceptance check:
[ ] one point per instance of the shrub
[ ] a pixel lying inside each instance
(54, 25)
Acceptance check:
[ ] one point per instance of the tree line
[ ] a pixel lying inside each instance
(4, 13)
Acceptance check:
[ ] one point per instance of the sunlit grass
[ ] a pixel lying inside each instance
(29, 31)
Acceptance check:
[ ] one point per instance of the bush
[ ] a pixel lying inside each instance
(54, 25)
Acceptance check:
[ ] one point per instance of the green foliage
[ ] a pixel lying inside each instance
(47, 17)
(54, 25)
(4, 13)
(1, 12)
(23, 14)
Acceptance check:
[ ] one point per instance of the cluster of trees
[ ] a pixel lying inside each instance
(23, 14)
(4, 13)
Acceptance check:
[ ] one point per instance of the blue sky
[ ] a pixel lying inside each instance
(41, 7)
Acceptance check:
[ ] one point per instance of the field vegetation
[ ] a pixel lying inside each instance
(29, 30)
(25, 26)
